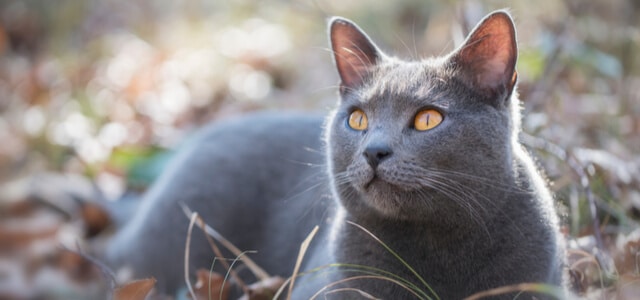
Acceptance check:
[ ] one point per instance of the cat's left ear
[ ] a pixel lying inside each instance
(354, 53)
(487, 59)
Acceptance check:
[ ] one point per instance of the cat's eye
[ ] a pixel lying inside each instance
(427, 119)
(358, 120)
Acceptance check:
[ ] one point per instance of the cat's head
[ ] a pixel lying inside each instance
(410, 139)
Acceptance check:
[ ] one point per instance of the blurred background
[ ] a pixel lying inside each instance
(95, 95)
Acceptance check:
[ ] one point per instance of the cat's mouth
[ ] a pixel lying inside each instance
(377, 181)
(380, 180)
(369, 180)
(373, 179)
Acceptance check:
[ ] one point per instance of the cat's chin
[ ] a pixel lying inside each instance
(385, 190)
(387, 198)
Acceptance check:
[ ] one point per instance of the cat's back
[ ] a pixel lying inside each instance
(264, 169)
(264, 151)
(270, 128)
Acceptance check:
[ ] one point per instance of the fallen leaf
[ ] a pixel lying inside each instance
(210, 284)
(135, 290)
(20, 232)
(95, 217)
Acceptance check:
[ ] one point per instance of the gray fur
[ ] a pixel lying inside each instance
(461, 203)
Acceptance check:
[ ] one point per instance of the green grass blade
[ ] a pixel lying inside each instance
(413, 271)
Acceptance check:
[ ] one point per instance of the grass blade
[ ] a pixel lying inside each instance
(303, 249)
(413, 271)
(365, 277)
(187, 247)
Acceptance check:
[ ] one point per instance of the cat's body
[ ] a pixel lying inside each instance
(265, 197)
(424, 155)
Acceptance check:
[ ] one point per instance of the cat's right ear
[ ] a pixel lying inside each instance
(488, 57)
(354, 53)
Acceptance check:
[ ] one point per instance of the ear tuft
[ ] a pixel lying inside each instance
(488, 56)
(353, 52)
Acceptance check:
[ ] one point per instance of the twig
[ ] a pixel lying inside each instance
(257, 271)
(303, 249)
(187, 247)
(106, 272)
(223, 261)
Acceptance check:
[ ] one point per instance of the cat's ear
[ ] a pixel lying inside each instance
(487, 58)
(354, 53)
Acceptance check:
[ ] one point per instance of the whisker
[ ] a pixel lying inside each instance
(453, 195)
(482, 180)
(473, 194)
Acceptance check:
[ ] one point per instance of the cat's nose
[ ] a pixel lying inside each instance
(376, 154)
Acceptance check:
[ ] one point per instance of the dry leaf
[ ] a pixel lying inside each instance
(19, 232)
(95, 217)
(135, 290)
(209, 285)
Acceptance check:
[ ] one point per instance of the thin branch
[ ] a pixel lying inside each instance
(187, 248)
(257, 271)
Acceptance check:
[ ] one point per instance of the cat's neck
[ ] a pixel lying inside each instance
(440, 233)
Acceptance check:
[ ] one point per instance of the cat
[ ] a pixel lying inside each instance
(421, 157)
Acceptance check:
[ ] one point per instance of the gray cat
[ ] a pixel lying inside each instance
(422, 154)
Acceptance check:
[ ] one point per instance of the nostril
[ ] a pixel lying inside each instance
(382, 155)
(376, 154)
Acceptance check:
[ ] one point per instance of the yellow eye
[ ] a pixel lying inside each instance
(427, 119)
(358, 120)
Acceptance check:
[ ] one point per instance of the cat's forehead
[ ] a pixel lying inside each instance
(416, 79)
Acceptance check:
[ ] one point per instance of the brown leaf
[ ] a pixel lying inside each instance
(209, 285)
(135, 290)
(95, 217)
(19, 232)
